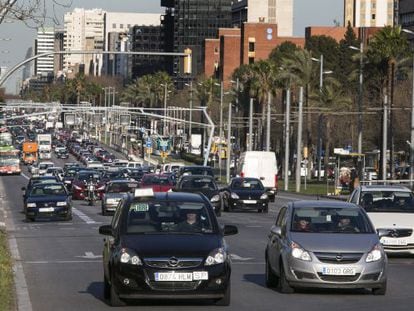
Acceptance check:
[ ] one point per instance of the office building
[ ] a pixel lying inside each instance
(278, 12)
(406, 14)
(118, 26)
(84, 30)
(44, 43)
(369, 13)
(187, 23)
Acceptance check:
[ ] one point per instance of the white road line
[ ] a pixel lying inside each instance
(25, 176)
(82, 216)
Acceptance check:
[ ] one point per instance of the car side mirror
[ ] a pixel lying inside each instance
(276, 230)
(230, 230)
(382, 232)
(106, 230)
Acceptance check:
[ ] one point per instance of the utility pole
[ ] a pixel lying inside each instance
(228, 145)
(165, 109)
(221, 124)
(269, 100)
(251, 125)
(384, 138)
(287, 135)
(319, 127)
(412, 136)
(191, 112)
(299, 142)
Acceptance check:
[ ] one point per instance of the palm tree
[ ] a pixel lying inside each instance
(386, 49)
(333, 100)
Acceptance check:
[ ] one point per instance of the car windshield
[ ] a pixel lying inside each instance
(197, 171)
(247, 184)
(121, 187)
(88, 175)
(156, 180)
(387, 201)
(198, 183)
(45, 189)
(160, 217)
(330, 220)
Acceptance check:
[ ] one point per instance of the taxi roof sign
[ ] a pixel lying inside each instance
(143, 192)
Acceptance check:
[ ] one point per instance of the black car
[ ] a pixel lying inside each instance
(246, 193)
(195, 170)
(48, 200)
(166, 246)
(35, 181)
(202, 184)
(62, 154)
(69, 174)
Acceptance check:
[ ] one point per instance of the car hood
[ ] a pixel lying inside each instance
(47, 198)
(183, 245)
(335, 242)
(207, 192)
(246, 194)
(392, 220)
(112, 195)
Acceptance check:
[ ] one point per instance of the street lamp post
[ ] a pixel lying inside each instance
(360, 104)
(412, 124)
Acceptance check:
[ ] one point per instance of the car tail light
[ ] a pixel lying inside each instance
(276, 181)
(242, 174)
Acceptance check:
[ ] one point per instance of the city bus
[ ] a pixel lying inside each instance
(9, 160)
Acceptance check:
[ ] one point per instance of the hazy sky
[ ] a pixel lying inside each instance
(306, 13)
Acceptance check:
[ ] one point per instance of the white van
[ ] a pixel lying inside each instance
(261, 165)
(135, 164)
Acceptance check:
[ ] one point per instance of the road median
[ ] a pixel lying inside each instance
(7, 296)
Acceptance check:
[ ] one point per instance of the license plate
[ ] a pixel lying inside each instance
(249, 201)
(395, 242)
(46, 209)
(200, 275)
(173, 276)
(338, 271)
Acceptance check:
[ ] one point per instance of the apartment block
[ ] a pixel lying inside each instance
(44, 43)
(369, 13)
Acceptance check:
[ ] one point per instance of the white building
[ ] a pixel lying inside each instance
(84, 30)
(369, 13)
(44, 43)
(278, 12)
(117, 27)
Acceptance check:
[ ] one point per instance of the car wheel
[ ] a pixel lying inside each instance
(103, 211)
(107, 289)
(69, 217)
(29, 219)
(266, 209)
(380, 291)
(114, 299)
(225, 301)
(271, 279)
(283, 285)
(259, 210)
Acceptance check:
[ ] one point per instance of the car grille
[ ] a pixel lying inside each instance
(397, 247)
(176, 263)
(339, 278)
(399, 233)
(46, 204)
(174, 286)
(339, 258)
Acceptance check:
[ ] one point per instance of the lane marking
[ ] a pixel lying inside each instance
(25, 176)
(83, 216)
(44, 262)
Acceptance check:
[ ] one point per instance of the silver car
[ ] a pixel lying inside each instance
(325, 244)
(115, 191)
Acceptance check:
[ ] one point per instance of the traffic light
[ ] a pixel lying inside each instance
(187, 61)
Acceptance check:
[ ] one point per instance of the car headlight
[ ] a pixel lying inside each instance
(234, 196)
(216, 257)
(61, 203)
(31, 205)
(130, 258)
(263, 196)
(112, 201)
(299, 253)
(375, 254)
(215, 198)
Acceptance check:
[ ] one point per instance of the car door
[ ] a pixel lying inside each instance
(109, 241)
(275, 242)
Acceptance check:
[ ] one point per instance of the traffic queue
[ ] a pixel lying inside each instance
(164, 240)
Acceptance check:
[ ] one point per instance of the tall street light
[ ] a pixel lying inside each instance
(221, 121)
(360, 103)
(165, 109)
(191, 111)
(412, 123)
(321, 73)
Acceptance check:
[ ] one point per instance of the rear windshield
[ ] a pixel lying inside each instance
(160, 217)
(198, 183)
(387, 201)
(330, 220)
(247, 184)
(156, 180)
(45, 189)
(118, 187)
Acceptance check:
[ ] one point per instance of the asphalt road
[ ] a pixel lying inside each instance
(62, 264)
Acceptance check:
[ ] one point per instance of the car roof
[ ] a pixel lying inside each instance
(177, 196)
(323, 204)
(384, 187)
(197, 177)
(125, 181)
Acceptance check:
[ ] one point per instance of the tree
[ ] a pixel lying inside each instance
(33, 13)
(282, 51)
(386, 49)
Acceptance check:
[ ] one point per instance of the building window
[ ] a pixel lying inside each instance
(251, 60)
(373, 16)
(113, 26)
(251, 46)
(216, 50)
(121, 26)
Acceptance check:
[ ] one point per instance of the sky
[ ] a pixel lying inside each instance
(306, 13)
